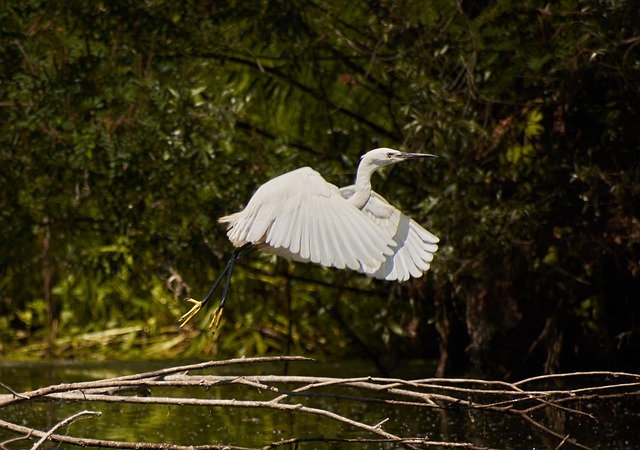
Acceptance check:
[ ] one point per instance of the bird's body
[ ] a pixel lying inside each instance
(301, 216)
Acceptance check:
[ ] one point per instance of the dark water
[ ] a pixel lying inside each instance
(617, 425)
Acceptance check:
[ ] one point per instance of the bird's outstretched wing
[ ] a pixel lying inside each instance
(414, 246)
(300, 216)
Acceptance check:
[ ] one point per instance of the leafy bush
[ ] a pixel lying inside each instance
(127, 129)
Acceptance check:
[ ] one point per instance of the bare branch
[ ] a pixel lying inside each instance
(296, 394)
(64, 423)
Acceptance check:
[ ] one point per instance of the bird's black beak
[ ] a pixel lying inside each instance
(404, 156)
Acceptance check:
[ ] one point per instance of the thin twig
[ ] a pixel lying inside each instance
(421, 441)
(65, 422)
(549, 431)
(100, 443)
(12, 391)
(577, 374)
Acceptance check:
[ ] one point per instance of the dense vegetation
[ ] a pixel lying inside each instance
(129, 127)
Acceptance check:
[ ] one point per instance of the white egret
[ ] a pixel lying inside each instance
(300, 216)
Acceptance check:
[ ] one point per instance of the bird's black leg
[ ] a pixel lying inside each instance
(237, 255)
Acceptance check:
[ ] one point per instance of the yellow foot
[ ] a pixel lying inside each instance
(186, 317)
(215, 319)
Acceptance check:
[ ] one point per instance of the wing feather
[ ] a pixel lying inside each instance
(325, 243)
(414, 246)
(349, 246)
(315, 254)
(349, 240)
(305, 235)
(338, 244)
(300, 216)
(296, 231)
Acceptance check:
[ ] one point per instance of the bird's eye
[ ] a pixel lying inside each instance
(390, 154)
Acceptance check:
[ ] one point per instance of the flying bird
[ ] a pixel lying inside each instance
(302, 217)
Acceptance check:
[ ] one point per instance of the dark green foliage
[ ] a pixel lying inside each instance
(127, 129)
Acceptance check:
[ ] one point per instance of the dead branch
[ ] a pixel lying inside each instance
(294, 394)
(64, 423)
(294, 441)
(30, 433)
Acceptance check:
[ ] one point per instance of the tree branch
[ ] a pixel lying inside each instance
(64, 423)
(293, 394)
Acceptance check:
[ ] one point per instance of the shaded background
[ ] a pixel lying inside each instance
(128, 129)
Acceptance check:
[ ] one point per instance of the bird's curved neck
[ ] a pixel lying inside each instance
(362, 185)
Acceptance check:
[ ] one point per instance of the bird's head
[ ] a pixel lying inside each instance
(381, 157)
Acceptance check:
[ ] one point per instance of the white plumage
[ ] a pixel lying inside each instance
(300, 216)
(413, 247)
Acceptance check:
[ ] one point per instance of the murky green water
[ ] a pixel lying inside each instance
(617, 425)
